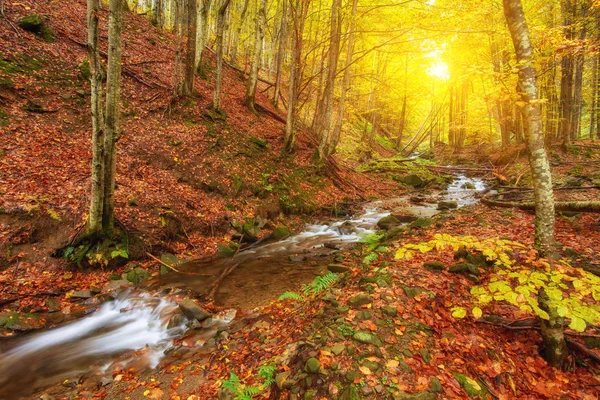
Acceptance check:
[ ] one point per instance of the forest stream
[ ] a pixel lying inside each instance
(137, 328)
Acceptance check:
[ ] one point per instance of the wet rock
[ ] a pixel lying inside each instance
(112, 285)
(389, 311)
(405, 218)
(465, 268)
(367, 338)
(297, 258)
(447, 205)
(468, 185)
(372, 365)
(312, 365)
(82, 294)
(175, 321)
(413, 180)
(137, 275)
(192, 309)
(434, 266)
(387, 223)
(347, 228)
(338, 349)
(338, 268)
(53, 305)
(414, 396)
(360, 300)
(435, 385)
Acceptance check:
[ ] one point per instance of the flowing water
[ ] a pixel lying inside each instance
(133, 330)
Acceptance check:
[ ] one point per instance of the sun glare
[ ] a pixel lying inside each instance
(439, 69)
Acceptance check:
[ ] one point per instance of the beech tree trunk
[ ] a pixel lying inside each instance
(94, 225)
(190, 51)
(113, 114)
(324, 123)
(261, 21)
(566, 80)
(238, 31)
(216, 104)
(203, 11)
(337, 129)
(555, 347)
(281, 49)
(298, 10)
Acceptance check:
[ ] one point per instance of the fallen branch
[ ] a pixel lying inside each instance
(571, 206)
(7, 20)
(173, 268)
(226, 272)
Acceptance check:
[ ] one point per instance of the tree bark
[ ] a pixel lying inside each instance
(216, 104)
(282, 44)
(94, 225)
(566, 80)
(238, 31)
(261, 21)
(555, 347)
(337, 129)
(190, 51)
(324, 124)
(179, 67)
(203, 11)
(113, 114)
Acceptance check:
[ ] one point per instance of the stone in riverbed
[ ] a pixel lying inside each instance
(192, 309)
(82, 294)
(387, 223)
(413, 180)
(347, 228)
(405, 218)
(447, 205)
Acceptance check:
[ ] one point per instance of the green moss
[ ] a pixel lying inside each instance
(35, 24)
(471, 386)
(84, 69)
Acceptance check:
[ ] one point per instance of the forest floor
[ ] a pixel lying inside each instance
(184, 176)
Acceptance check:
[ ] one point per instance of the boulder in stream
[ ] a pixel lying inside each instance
(192, 310)
(347, 228)
(413, 180)
(447, 205)
(405, 218)
(387, 223)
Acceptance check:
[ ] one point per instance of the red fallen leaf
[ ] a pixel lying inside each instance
(370, 325)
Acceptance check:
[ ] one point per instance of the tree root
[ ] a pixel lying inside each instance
(583, 349)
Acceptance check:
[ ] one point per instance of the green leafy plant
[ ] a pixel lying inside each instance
(320, 283)
(572, 292)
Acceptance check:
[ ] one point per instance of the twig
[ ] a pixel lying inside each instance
(7, 20)
(225, 273)
(173, 268)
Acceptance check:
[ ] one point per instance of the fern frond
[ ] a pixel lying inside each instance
(291, 296)
(320, 283)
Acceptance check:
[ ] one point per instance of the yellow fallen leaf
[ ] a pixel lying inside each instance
(365, 370)
(392, 363)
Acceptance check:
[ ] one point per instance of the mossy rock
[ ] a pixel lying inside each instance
(412, 292)
(434, 266)
(468, 185)
(387, 223)
(85, 70)
(413, 180)
(137, 275)
(281, 232)
(227, 250)
(421, 223)
(360, 299)
(35, 24)
(312, 365)
(350, 393)
(367, 338)
(465, 268)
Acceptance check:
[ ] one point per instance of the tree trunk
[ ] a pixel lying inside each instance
(179, 67)
(216, 104)
(298, 10)
(94, 225)
(282, 42)
(555, 348)
(113, 114)
(566, 80)
(594, 97)
(203, 11)
(324, 126)
(190, 51)
(261, 21)
(337, 129)
(238, 31)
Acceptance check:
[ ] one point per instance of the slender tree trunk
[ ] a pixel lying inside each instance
(97, 190)
(179, 68)
(190, 51)
(566, 81)
(594, 97)
(261, 21)
(238, 31)
(579, 64)
(113, 114)
(281, 48)
(451, 116)
(216, 104)
(298, 10)
(324, 127)
(555, 348)
(337, 129)
(202, 25)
